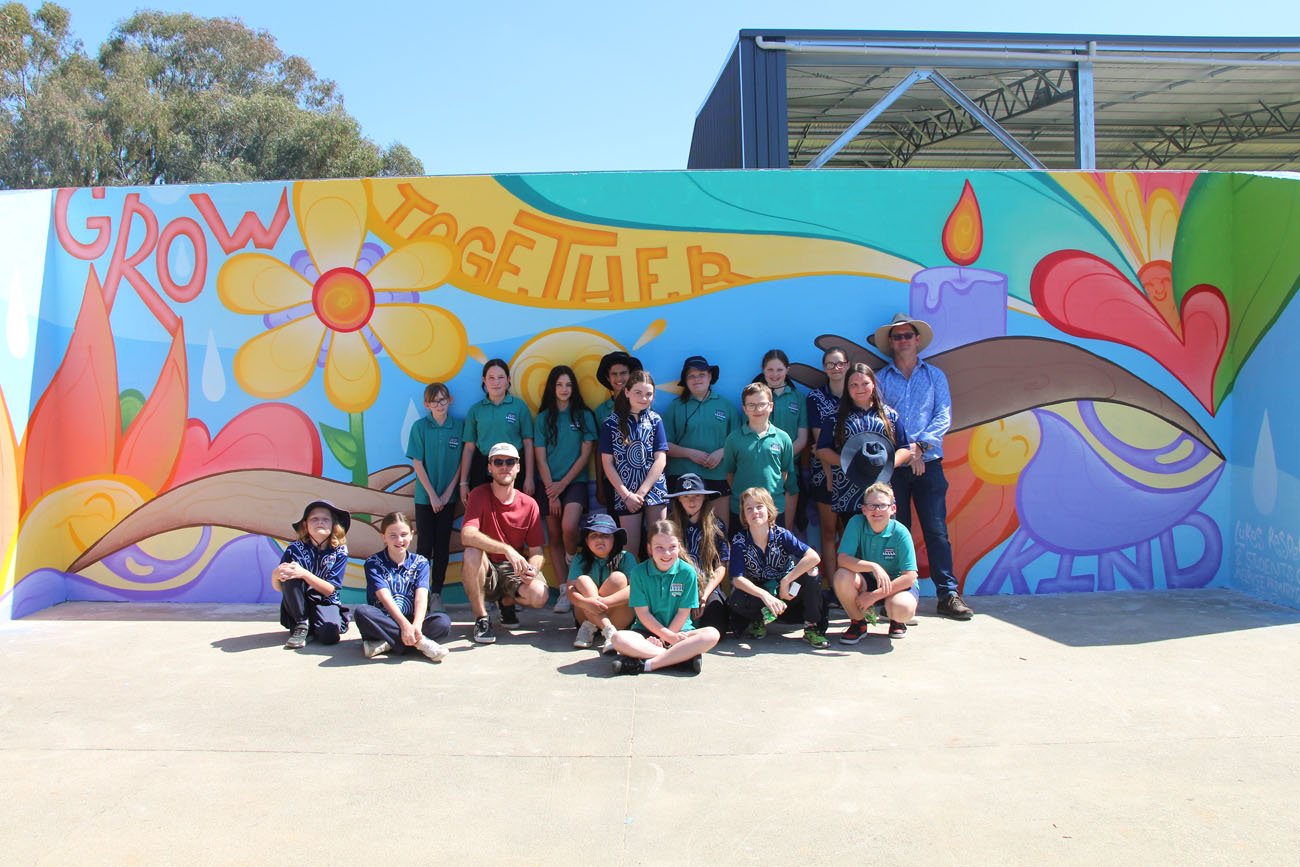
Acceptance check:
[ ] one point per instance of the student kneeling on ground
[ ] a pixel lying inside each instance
(877, 562)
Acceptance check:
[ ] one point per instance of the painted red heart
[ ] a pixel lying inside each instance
(270, 436)
(1086, 296)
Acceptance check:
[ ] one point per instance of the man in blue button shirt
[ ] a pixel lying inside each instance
(919, 393)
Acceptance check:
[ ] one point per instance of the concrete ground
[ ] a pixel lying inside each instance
(1139, 728)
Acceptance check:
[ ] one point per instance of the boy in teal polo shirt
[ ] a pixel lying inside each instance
(758, 454)
(697, 425)
(877, 562)
(434, 447)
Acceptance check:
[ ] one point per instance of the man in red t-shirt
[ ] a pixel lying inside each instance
(500, 522)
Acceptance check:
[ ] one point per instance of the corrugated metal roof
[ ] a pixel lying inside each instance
(1159, 103)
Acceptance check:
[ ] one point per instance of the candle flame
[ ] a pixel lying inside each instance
(963, 234)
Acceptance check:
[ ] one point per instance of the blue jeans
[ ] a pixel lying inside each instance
(930, 492)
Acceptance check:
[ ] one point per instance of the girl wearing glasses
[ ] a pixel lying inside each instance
(790, 414)
(434, 447)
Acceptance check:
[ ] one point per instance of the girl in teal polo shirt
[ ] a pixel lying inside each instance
(697, 425)
(434, 447)
(664, 590)
(566, 432)
(790, 414)
(498, 418)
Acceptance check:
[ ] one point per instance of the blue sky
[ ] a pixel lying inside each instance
(520, 86)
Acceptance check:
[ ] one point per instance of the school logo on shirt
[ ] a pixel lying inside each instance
(775, 448)
(574, 425)
(794, 408)
(675, 588)
(720, 415)
(889, 552)
(512, 418)
(453, 443)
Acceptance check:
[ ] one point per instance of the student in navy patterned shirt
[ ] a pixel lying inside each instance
(396, 615)
(633, 454)
(310, 575)
(769, 574)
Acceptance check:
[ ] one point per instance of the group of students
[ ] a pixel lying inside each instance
(717, 471)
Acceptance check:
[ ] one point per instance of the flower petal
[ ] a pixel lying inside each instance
(427, 343)
(418, 265)
(152, 442)
(280, 361)
(351, 372)
(332, 220)
(258, 283)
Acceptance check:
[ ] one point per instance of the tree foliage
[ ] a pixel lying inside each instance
(170, 98)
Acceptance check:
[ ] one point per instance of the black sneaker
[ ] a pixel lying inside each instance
(483, 632)
(697, 663)
(628, 665)
(509, 616)
(297, 638)
(897, 630)
(852, 635)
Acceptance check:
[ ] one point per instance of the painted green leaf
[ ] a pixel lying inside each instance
(342, 445)
(131, 401)
(1240, 233)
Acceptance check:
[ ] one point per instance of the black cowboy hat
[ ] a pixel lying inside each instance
(867, 458)
(698, 362)
(340, 517)
(689, 483)
(610, 359)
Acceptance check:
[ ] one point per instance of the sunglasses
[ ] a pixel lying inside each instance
(504, 462)
(899, 338)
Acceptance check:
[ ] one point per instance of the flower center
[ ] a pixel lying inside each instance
(343, 299)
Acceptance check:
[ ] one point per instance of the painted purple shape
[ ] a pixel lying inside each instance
(963, 305)
(40, 589)
(149, 569)
(238, 572)
(1149, 460)
(1073, 502)
(369, 256)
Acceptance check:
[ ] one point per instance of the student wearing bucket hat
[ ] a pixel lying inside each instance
(919, 391)
(706, 543)
(597, 585)
(310, 575)
(697, 425)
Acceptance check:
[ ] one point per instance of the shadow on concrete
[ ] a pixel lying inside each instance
(1132, 617)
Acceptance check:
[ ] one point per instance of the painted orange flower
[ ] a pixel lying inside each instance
(340, 303)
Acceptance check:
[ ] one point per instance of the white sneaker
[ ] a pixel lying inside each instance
(563, 605)
(608, 632)
(586, 636)
(371, 649)
(435, 602)
(431, 649)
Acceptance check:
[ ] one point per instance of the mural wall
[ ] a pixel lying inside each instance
(184, 367)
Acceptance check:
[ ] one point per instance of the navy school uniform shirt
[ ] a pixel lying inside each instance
(846, 497)
(325, 563)
(766, 567)
(399, 580)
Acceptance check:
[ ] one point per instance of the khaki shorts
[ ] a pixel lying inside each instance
(500, 581)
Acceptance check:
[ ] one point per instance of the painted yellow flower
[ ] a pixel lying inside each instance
(340, 303)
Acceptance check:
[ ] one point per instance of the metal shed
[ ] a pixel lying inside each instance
(882, 99)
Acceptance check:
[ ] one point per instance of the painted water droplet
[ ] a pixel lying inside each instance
(412, 416)
(214, 376)
(17, 331)
(180, 261)
(1264, 475)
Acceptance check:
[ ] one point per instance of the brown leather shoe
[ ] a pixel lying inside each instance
(955, 607)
